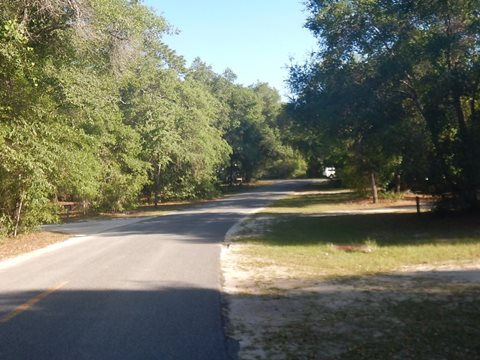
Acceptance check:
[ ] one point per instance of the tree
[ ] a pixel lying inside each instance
(62, 133)
(96, 108)
(249, 118)
(398, 63)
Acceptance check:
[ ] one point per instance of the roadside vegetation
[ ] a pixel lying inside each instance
(11, 246)
(354, 285)
(97, 111)
(354, 245)
(331, 198)
(390, 97)
(99, 116)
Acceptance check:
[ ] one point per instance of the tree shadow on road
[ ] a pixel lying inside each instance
(162, 322)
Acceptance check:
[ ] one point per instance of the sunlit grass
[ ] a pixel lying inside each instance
(422, 327)
(315, 246)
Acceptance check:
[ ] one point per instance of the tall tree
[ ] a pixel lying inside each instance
(63, 135)
(418, 64)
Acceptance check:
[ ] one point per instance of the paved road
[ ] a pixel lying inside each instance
(145, 290)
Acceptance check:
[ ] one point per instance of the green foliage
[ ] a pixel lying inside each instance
(394, 86)
(250, 118)
(289, 164)
(62, 133)
(95, 108)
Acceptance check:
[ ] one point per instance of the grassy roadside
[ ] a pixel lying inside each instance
(164, 207)
(354, 245)
(337, 287)
(140, 211)
(328, 197)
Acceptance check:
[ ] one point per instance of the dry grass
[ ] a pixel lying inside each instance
(23, 243)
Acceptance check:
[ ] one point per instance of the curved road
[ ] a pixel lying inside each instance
(146, 290)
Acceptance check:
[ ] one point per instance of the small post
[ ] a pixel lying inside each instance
(417, 200)
(374, 187)
(18, 211)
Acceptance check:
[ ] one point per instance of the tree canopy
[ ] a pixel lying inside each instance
(96, 109)
(393, 91)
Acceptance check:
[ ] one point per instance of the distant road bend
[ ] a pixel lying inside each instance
(146, 290)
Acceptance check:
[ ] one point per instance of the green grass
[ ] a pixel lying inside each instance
(308, 246)
(328, 200)
(329, 197)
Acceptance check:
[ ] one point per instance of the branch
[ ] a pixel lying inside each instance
(473, 98)
(46, 31)
(413, 95)
(23, 15)
(379, 33)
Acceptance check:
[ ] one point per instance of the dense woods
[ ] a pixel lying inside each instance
(391, 96)
(96, 109)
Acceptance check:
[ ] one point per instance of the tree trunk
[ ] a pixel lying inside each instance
(157, 178)
(398, 186)
(374, 188)
(231, 171)
(460, 117)
(18, 212)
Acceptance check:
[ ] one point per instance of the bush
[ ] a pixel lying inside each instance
(291, 165)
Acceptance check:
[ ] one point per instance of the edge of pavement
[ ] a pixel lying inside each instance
(77, 237)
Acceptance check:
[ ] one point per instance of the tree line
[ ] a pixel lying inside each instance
(96, 108)
(391, 96)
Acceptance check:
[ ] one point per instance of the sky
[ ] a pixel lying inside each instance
(254, 38)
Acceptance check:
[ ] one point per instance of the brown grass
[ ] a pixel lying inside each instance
(14, 246)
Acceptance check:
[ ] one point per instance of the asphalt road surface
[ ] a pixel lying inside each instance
(145, 290)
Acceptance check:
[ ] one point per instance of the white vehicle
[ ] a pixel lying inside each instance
(329, 172)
